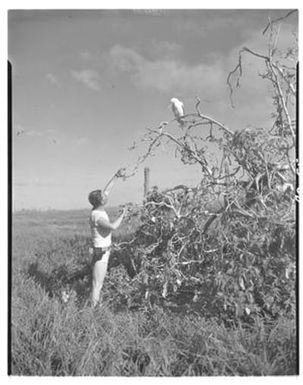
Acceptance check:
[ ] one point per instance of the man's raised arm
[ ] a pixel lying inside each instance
(119, 174)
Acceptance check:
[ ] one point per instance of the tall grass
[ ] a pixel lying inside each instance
(52, 339)
(55, 339)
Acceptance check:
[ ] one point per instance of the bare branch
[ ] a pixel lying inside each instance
(290, 85)
(272, 67)
(192, 153)
(282, 99)
(245, 49)
(271, 22)
(213, 121)
(238, 67)
(164, 204)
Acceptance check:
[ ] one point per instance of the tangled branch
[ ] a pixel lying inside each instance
(279, 19)
(279, 77)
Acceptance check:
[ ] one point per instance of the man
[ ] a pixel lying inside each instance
(101, 229)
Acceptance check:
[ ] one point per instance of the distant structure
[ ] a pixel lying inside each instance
(146, 180)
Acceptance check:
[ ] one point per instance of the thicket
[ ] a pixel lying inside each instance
(237, 258)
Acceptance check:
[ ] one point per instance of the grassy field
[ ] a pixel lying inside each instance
(50, 254)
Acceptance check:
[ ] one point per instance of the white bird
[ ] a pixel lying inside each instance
(178, 109)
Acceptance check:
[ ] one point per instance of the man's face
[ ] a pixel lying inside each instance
(104, 199)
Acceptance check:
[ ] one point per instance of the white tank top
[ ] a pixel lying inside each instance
(101, 237)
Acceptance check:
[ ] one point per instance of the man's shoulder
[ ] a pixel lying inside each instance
(99, 214)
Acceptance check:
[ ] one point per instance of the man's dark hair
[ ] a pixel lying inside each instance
(95, 198)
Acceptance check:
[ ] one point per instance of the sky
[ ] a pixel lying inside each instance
(87, 84)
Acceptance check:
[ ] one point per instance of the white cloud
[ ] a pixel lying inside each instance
(165, 49)
(166, 74)
(49, 134)
(80, 141)
(40, 133)
(52, 79)
(89, 78)
(20, 130)
(253, 100)
(126, 59)
(163, 69)
(87, 55)
(34, 133)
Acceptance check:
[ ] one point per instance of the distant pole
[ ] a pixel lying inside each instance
(146, 181)
(227, 182)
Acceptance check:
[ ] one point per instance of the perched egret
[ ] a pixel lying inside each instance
(178, 110)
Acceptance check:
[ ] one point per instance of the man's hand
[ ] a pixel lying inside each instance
(124, 210)
(120, 173)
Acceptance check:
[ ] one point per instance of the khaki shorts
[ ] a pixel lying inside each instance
(98, 253)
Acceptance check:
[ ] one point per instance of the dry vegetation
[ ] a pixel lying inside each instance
(125, 336)
(194, 288)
